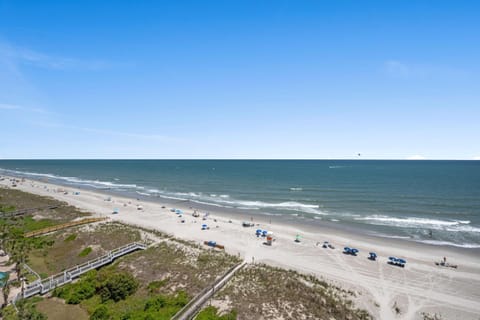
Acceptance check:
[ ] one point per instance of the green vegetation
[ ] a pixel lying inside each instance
(117, 287)
(113, 294)
(26, 310)
(6, 208)
(211, 313)
(154, 286)
(85, 252)
(30, 224)
(71, 237)
(105, 283)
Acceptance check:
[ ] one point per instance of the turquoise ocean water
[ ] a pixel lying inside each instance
(436, 202)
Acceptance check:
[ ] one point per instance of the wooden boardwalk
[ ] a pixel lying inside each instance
(46, 285)
(190, 310)
(62, 226)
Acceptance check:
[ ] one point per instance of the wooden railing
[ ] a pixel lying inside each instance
(46, 285)
(189, 311)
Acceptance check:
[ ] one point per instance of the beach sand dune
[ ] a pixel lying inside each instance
(386, 291)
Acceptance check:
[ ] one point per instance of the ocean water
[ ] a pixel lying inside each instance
(436, 202)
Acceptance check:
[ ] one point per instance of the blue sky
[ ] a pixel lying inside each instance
(240, 79)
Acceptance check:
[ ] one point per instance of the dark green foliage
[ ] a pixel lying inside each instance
(77, 292)
(117, 287)
(211, 313)
(85, 252)
(158, 307)
(101, 313)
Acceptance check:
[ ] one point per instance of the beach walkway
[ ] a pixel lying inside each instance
(46, 285)
(189, 311)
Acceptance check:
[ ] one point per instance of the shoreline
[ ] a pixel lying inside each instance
(377, 282)
(450, 230)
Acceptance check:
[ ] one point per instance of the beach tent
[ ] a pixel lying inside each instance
(297, 238)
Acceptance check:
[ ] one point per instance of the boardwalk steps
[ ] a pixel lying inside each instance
(190, 310)
(62, 226)
(25, 211)
(46, 285)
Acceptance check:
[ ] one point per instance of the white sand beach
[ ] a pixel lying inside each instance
(386, 291)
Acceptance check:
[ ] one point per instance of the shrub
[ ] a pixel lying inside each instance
(101, 313)
(117, 287)
(85, 252)
(75, 293)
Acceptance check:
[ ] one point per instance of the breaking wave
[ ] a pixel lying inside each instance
(414, 222)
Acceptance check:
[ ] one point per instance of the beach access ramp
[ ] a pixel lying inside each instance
(67, 276)
(190, 310)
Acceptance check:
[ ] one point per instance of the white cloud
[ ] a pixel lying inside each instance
(476, 158)
(12, 55)
(4, 106)
(416, 157)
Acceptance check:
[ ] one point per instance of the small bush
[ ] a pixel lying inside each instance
(85, 252)
(154, 286)
(71, 237)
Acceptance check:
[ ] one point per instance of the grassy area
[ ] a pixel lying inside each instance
(180, 265)
(261, 290)
(57, 309)
(79, 244)
(12, 199)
